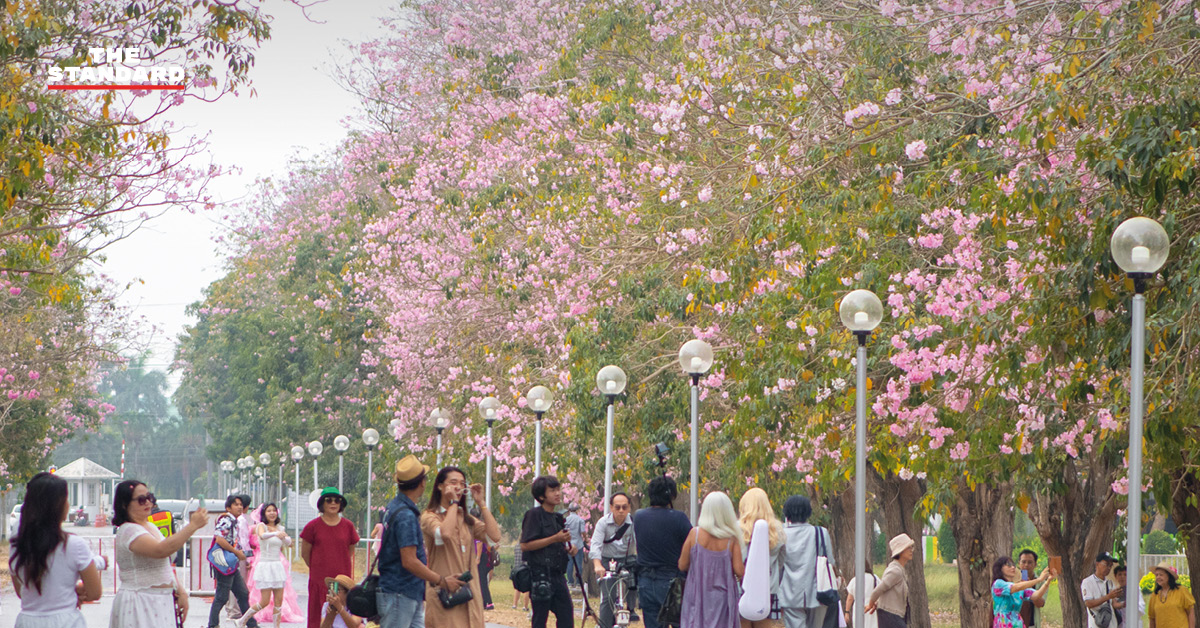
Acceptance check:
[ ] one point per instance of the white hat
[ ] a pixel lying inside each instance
(899, 543)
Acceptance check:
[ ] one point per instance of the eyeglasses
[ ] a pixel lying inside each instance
(621, 507)
(142, 500)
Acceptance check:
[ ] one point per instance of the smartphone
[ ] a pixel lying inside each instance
(333, 588)
(1056, 564)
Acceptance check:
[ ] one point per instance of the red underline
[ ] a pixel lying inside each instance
(106, 87)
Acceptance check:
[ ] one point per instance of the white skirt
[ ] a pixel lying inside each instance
(269, 574)
(64, 619)
(145, 608)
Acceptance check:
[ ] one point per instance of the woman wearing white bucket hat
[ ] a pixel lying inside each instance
(890, 597)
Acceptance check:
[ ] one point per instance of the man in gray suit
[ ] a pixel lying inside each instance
(798, 589)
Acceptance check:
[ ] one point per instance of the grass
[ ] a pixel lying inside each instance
(941, 583)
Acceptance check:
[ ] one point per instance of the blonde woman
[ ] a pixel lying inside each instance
(753, 507)
(712, 556)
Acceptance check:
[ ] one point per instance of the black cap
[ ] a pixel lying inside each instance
(1105, 556)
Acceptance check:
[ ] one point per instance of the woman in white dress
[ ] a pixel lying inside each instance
(46, 562)
(149, 590)
(269, 574)
(870, 620)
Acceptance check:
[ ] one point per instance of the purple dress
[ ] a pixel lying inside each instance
(710, 599)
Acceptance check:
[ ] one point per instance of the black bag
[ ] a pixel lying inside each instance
(672, 607)
(522, 578)
(360, 600)
(450, 600)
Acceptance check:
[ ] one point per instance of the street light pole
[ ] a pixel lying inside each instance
(488, 409)
(696, 357)
(1140, 247)
(314, 449)
(538, 399)
(370, 438)
(611, 382)
(294, 508)
(341, 443)
(861, 312)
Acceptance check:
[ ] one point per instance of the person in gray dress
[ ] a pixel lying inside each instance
(798, 587)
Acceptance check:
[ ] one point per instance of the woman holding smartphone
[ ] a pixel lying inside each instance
(450, 535)
(334, 613)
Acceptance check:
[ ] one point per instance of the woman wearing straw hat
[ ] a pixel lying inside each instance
(890, 597)
(334, 613)
(1171, 606)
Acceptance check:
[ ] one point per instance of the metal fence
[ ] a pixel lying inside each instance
(1148, 561)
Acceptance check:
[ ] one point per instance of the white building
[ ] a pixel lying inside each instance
(89, 486)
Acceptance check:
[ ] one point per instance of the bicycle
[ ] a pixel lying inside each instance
(617, 590)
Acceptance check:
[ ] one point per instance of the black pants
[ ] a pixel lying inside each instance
(484, 570)
(225, 584)
(560, 603)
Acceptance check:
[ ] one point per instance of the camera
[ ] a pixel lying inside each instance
(542, 590)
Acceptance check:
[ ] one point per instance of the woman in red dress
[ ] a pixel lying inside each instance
(327, 546)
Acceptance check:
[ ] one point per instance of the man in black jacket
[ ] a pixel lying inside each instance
(546, 548)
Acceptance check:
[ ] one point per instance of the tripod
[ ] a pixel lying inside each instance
(587, 604)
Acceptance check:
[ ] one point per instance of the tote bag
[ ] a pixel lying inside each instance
(826, 584)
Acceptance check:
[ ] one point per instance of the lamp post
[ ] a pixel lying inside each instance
(294, 513)
(394, 427)
(438, 421)
(241, 465)
(341, 444)
(696, 357)
(538, 399)
(489, 408)
(279, 491)
(611, 382)
(264, 459)
(227, 468)
(370, 438)
(1140, 247)
(314, 449)
(861, 312)
(258, 486)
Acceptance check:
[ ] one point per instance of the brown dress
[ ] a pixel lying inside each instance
(451, 558)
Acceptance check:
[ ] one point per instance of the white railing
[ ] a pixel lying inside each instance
(1148, 561)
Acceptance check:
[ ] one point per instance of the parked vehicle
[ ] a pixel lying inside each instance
(14, 520)
(80, 517)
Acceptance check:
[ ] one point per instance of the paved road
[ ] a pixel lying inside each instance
(97, 614)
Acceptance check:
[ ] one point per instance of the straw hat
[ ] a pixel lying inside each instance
(408, 468)
(1167, 568)
(899, 543)
(344, 582)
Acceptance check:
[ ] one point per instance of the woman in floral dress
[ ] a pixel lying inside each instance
(1008, 593)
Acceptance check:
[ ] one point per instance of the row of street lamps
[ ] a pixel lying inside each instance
(1139, 246)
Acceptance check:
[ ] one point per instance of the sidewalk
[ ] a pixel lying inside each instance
(97, 614)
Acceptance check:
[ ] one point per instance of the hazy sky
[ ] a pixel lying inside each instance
(298, 111)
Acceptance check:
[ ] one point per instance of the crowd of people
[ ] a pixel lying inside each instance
(433, 564)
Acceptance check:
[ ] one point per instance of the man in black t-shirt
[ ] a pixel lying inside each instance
(546, 548)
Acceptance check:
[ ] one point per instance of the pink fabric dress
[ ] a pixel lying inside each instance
(291, 606)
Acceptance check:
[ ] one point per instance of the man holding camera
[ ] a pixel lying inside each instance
(546, 548)
(613, 546)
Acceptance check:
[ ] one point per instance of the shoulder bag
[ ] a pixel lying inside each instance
(360, 600)
(222, 560)
(827, 593)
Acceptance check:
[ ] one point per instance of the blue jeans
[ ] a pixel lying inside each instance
(572, 563)
(652, 591)
(397, 610)
(233, 583)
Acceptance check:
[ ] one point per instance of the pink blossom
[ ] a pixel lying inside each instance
(915, 150)
(717, 275)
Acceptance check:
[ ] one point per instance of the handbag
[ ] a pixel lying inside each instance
(827, 593)
(522, 578)
(672, 607)
(360, 600)
(1103, 614)
(461, 596)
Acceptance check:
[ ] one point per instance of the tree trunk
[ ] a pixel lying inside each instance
(1159, 523)
(1077, 522)
(982, 521)
(1185, 490)
(841, 532)
(900, 499)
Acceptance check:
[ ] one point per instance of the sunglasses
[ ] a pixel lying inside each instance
(142, 500)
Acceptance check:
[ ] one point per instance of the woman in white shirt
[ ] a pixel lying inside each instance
(149, 590)
(269, 574)
(46, 563)
(871, 620)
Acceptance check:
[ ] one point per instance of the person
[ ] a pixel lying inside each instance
(1009, 591)
(577, 527)
(487, 555)
(327, 547)
(149, 591)
(1099, 593)
(403, 569)
(334, 613)
(662, 531)
(614, 546)
(712, 558)
(545, 546)
(45, 562)
(518, 597)
(249, 545)
(1119, 574)
(269, 573)
(753, 507)
(450, 532)
(1171, 606)
(225, 536)
(798, 587)
(1030, 615)
(377, 534)
(869, 621)
(890, 597)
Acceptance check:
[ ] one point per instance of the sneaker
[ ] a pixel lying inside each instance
(491, 607)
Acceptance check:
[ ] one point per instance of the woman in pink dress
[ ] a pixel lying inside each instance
(291, 606)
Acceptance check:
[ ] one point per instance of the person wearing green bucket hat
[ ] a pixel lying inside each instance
(327, 546)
